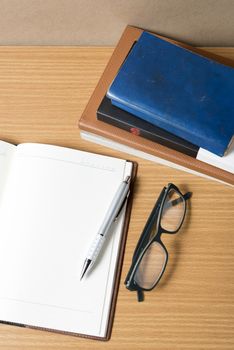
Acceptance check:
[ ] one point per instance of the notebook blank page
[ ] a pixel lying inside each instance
(6, 153)
(54, 203)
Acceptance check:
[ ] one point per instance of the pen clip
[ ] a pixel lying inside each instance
(124, 201)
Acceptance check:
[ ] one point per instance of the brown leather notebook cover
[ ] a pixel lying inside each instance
(88, 121)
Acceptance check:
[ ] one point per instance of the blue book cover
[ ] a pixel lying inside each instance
(177, 90)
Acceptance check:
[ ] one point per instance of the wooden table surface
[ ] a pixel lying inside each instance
(43, 91)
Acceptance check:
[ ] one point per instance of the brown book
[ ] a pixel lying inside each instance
(111, 136)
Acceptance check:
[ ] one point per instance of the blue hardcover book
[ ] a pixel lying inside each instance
(187, 94)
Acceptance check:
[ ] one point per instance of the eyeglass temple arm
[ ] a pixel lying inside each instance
(174, 202)
(140, 295)
(148, 225)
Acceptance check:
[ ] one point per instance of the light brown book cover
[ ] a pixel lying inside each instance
(89, 123)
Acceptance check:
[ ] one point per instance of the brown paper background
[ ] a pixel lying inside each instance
(101, 22)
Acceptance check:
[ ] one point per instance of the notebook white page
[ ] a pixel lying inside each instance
(6, 153)
(53, 204)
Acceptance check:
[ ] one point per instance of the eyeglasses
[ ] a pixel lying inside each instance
(150, 256)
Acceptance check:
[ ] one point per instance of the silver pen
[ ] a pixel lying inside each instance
(113, 211)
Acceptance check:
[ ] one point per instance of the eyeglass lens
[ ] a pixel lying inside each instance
(173, 211)
(151, 266)
(154, 259)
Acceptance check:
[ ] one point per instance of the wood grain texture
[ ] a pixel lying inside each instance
(43, 91)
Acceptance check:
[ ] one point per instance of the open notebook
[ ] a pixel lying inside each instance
(52, 202)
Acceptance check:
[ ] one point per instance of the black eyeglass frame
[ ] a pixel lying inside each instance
(144, 242)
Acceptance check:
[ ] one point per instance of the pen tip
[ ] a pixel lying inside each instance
(85, 268)
(82, 275)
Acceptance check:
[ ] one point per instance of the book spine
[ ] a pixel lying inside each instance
(150, 132)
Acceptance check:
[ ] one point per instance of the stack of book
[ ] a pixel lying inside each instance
(167, 102)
